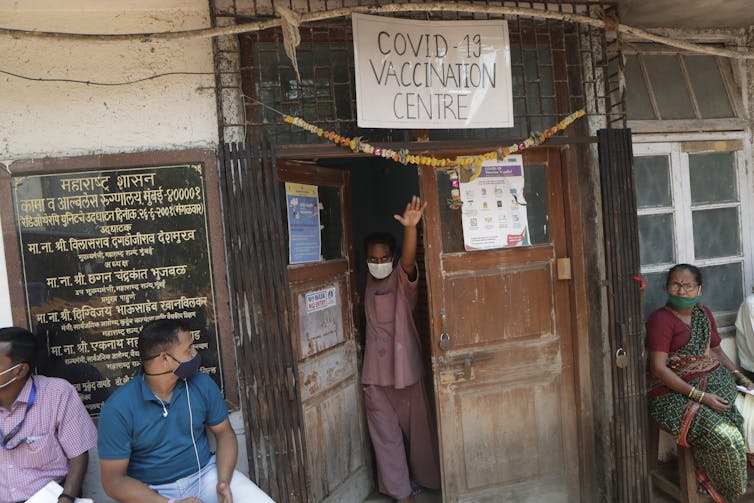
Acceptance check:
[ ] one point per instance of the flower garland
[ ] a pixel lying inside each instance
(404, 157)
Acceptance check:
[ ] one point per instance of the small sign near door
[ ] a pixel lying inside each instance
(321, 299)
(432, 74)
(304, 238)
(494, 210)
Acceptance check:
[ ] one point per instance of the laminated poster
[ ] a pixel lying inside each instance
(494, 210)
(304, 239)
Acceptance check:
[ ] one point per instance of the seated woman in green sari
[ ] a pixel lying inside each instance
(692, 386)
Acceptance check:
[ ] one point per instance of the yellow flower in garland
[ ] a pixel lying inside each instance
(405, 157)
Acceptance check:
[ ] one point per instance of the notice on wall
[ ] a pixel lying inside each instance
(432, 74)
(320, 319)
(493, 214)
(304, 236)
(103, 253)
(320, 299)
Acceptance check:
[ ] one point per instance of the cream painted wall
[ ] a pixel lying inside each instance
(62, 119)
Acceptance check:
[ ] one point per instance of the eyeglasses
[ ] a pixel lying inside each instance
(686, 287)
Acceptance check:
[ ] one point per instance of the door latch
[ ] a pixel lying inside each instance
(564, 268)
(444, 341)
(466, 361)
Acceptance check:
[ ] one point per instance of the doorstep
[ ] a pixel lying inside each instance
(425, 496)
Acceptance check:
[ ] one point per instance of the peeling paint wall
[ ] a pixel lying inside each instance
(63, 118)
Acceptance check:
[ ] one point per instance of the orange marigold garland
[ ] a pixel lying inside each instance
(405, 157)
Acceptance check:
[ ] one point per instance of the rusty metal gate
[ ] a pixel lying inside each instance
(626, 334)
(255, 240)
(557, 68)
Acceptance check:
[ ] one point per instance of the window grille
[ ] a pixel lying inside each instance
(557, 67)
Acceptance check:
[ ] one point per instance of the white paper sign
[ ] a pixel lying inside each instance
(320, 299)
(493, 214)
(432, 74)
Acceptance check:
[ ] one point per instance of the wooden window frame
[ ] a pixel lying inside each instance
(731, 88)
(676, 148)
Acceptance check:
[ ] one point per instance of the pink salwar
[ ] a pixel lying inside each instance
(394, 395)
(391, 415)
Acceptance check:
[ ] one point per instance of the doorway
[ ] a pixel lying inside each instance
(505, 385)
(380, 189)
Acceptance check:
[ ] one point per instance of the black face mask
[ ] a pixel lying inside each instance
(185, 369)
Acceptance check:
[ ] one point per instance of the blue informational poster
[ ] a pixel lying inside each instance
(304, 239)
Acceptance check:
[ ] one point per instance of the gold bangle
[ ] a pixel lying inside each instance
(701, 397)
(693, 388)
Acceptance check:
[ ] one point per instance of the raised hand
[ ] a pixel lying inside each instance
(413, 212)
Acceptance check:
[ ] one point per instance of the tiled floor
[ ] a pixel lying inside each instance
(425, 496)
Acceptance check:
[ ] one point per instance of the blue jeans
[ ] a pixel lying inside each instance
(203, 485)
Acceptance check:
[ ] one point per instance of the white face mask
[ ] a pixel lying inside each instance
(5, 372)
(380, 271)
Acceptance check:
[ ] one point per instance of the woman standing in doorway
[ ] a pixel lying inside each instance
(394, 395)
(692, 386)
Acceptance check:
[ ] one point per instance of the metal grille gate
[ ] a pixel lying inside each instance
(558, 67)
(256, 240)
(626, 329)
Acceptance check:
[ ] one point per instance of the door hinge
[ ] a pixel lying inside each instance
(291, 384)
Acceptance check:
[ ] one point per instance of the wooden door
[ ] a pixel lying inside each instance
(504, 388)
(324, 342)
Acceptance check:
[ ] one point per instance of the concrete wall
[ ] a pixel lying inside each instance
(61, 119)
(64, 118)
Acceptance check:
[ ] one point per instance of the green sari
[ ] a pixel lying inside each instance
(715, 438)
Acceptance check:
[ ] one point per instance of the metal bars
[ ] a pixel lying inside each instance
(256, 240)
(625, 330)
(558, 67)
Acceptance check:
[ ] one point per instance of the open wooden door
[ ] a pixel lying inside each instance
(504, 387)
(324, 342)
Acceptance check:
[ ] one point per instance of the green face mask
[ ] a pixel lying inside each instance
(682, 302)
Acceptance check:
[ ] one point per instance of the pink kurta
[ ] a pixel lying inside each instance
(391, 356)
(394, 396)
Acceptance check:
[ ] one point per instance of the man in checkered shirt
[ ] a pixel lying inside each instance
(45, 431)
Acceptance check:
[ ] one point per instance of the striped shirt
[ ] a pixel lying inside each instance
(57, 428)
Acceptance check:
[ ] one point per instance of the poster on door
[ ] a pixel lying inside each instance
(304, 239)
(494, 209)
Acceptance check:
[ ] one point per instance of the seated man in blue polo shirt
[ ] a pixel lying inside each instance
(153, 445)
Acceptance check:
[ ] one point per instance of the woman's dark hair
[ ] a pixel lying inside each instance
(380, 238)
(158, 335)
(685, 267)
(23, 345)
